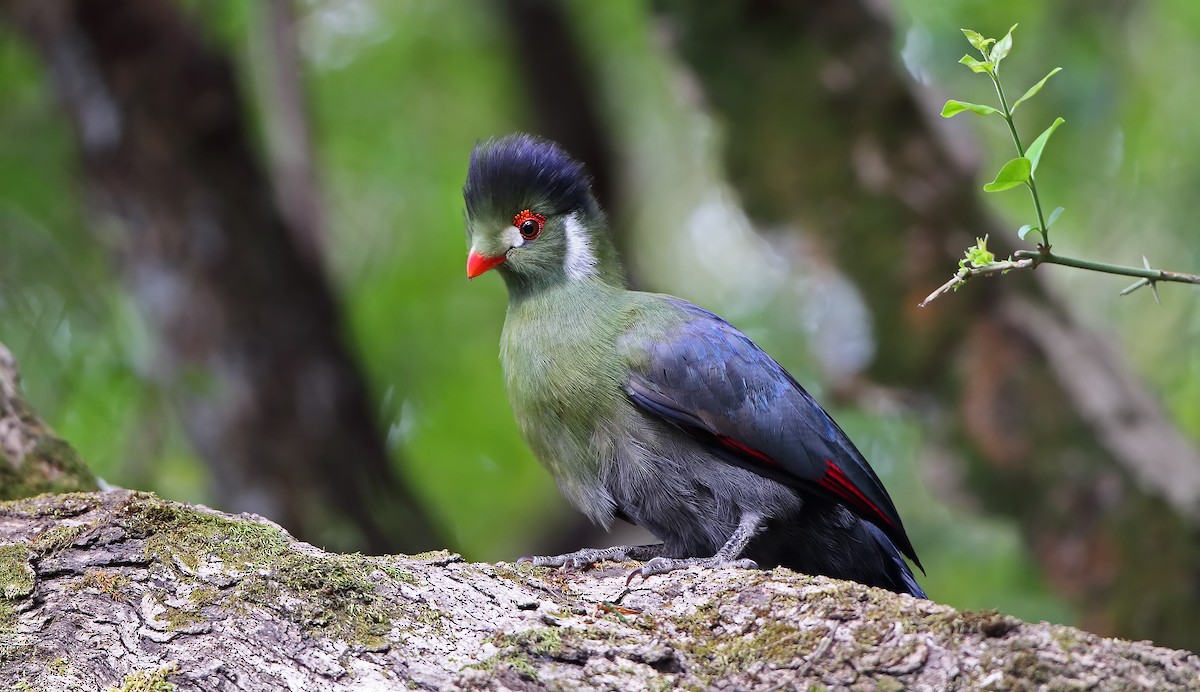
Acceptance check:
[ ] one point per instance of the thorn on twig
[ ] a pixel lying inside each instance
(1135, 286)
(1153, 287)
(1144, 282)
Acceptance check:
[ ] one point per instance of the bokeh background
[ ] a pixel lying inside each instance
(782, 166)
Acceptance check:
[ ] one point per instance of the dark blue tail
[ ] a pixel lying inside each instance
(905, 581)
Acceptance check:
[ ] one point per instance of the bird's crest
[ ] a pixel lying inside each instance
(522, 171)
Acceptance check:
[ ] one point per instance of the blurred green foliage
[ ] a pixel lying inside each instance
(1126, 166)
(399, 92)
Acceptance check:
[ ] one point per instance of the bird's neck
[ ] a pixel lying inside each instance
(565, 317)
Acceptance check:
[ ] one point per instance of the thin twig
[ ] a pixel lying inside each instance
(985, 270)
(1105, 267)
(1030, 259)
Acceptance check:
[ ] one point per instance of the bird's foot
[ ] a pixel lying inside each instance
(662, 565)
(582, 559)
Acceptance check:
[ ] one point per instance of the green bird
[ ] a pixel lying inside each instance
(649, 409)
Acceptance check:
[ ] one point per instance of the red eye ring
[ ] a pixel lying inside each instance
(529, 224)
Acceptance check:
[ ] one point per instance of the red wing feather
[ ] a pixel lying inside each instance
(743, 449)
(836, 482)
(833, 480)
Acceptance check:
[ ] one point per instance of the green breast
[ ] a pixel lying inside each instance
(565, 378)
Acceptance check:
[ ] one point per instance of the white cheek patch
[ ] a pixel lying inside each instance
(580, 261)
(512, 237)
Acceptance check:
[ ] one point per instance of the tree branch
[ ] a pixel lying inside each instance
(205, 600)
(1030, 259)
(33, 459)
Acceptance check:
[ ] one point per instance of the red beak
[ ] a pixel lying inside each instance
(478, 264)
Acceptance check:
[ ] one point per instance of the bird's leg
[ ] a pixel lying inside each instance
(590, 556)
(749, 525)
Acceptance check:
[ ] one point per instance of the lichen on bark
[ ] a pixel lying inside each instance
(217, 601)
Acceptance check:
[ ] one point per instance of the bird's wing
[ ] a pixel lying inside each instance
(714, 382)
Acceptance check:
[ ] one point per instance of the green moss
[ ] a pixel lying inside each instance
(16, 576)
(989, 623)
(16, 582)
(436, 556)
(204, 595)
(148, 681)
(57, 538)
(181, 618)
(52, 466)
(522, 665)
(56, 505)
(513, 659)
(396, 573)
(1068, 639)
(59, 666)
(518, 651)
(337, 596)
(543, 641)
(773, 641)
(1025, 665)
(109, 583)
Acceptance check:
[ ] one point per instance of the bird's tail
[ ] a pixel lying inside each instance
(904, 581)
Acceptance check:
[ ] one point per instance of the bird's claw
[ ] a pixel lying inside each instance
(562, 562)
(581, 559)
(662, 565)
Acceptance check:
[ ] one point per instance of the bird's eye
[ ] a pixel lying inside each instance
(529, 224)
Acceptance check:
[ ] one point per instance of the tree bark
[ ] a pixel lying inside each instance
(249, 334)
(120, 588)
(827, 133)
(33, 459)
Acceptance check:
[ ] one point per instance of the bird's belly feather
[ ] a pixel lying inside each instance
(687, 496)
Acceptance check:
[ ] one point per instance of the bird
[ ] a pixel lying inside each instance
(649, 409)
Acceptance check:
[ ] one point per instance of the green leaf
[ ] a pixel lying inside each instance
(1000, 50)
(953, 108)
(1034, 152)
(1035, 88)
(977, 40)
(977, 255)
(1054, 216)
(1011, 175)
(975, 65)
(1024, 230)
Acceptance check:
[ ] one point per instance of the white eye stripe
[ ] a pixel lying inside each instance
(580, 261)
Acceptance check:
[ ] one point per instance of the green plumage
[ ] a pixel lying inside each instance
(565, 367)
(647, 408)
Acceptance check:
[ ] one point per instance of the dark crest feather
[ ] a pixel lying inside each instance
(520, 171)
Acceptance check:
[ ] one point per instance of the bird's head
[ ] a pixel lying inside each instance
(531, 214)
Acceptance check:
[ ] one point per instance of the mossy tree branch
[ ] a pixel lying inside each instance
(203, 600)
(33, 459)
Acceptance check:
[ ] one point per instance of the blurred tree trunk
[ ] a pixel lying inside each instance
(249, 334)
(560, 93)
(280, 82)
(826, 131)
